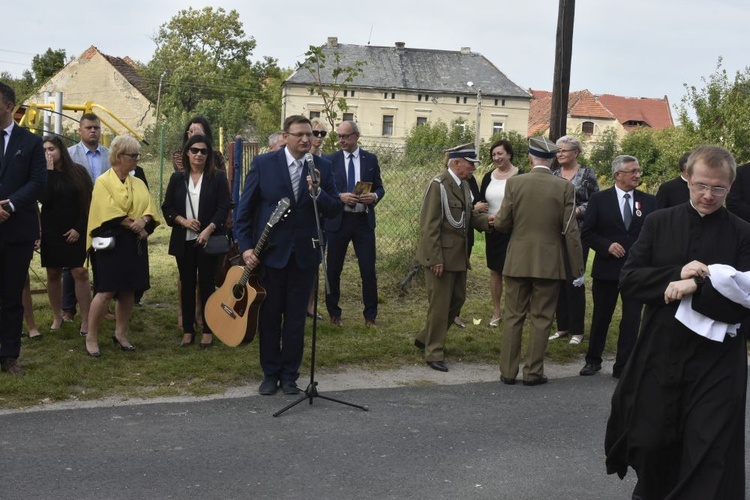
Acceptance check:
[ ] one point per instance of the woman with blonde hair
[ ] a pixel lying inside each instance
(123, 217)
(571, 304)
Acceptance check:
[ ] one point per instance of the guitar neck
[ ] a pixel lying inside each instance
(256, 251)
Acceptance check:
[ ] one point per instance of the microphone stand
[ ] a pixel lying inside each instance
(311, 392)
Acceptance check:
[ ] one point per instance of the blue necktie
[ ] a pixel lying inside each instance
(295, 174)
(627, 214)
(350, 180)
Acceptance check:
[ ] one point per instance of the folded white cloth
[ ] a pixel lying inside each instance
(733, 285)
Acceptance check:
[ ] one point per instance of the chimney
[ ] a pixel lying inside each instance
(333, 41)
(400, 46)
(466, 50)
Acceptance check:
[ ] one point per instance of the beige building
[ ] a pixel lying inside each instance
(111, 82)
(589, 115)
(400, 88)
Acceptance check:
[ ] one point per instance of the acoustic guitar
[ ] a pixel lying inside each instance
(232, 310)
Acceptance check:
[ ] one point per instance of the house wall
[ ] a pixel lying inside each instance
(575, 124)
(369, 106)
(96, 80)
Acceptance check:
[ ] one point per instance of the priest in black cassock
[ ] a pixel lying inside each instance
(678, 412)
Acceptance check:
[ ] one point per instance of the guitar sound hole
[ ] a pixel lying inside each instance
(238, 291)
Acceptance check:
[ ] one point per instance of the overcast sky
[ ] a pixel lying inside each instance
(639, 48)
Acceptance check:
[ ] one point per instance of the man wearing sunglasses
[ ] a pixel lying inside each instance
(357, 175)
(289, 259)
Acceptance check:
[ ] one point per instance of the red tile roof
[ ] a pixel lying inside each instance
(654, 113)
(629, 111)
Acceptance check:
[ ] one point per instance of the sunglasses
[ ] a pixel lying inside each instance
(195, 151)
(135, 156)
(320, 133)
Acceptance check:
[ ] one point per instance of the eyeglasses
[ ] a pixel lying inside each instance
(346, 136)
(320, 133)
(135, 156)
(635, 171)
(717, 191)
(563, 151)
(203, 151)
(300, 134)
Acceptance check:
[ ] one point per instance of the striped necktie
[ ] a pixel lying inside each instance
(627, 213)
(295, 171)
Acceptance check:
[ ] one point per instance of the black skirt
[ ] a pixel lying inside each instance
(124, 268)
(496, 248)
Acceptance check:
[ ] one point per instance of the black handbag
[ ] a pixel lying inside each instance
(216, 244)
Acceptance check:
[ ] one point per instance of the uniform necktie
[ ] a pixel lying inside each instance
(295, 173)
(350, 174)
(627, 214)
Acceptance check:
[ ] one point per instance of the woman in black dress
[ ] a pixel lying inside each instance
(65, 210)
(121, 208)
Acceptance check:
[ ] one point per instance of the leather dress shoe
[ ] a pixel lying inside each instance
(437, 365)
(370, 323)
(418, 344)
(11, 367)
(336, 321)
(537, 381)
(269, 386)
(590, 369)
(290, 387)
(508, 381)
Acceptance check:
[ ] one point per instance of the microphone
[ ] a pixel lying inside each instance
(311, 167)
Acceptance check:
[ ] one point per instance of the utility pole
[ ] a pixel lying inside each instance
(561, 81)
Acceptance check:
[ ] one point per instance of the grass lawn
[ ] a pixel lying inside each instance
(58, 369)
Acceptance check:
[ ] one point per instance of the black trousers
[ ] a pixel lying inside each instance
(571, 305)
(282, 319)
(15, 258)
(195, 267)
(354, 228)
(605, 294)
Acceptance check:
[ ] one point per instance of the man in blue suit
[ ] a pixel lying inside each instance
(613, 222)
(352, 165)
(289, 259)
(23, 176)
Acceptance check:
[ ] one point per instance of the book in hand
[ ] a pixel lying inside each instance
(362, 188)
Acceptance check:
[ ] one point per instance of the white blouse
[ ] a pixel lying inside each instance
(193, 195)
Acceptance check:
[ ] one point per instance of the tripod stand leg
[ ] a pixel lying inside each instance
(311, 393)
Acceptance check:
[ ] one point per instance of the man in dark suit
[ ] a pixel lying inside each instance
(674, 192)
(612, 224)
(537, 209)
(355, 224)
(289, 259)
(23, 175)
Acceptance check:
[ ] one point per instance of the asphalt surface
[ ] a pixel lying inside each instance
(468, 441)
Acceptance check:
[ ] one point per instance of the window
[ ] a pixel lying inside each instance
(466, 99)
(461, 125)
(497, 128)
(419, 97)
(393, 95)
(387, 125)
(351, 93)
(421, 120)
(458, 100)
(349, 117)
(385, 95)
(426, 97)
(587, 127)
(314, 114)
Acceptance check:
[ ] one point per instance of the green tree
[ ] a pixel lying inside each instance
(205, 59)
(603, 151)
(719, 113)
(45, 66)
(330, 79)
(426, 143)
(23, 86)
(265, 113)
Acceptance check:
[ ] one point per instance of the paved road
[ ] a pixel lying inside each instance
(468, 441)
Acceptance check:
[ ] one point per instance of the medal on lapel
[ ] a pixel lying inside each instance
(638, 212)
